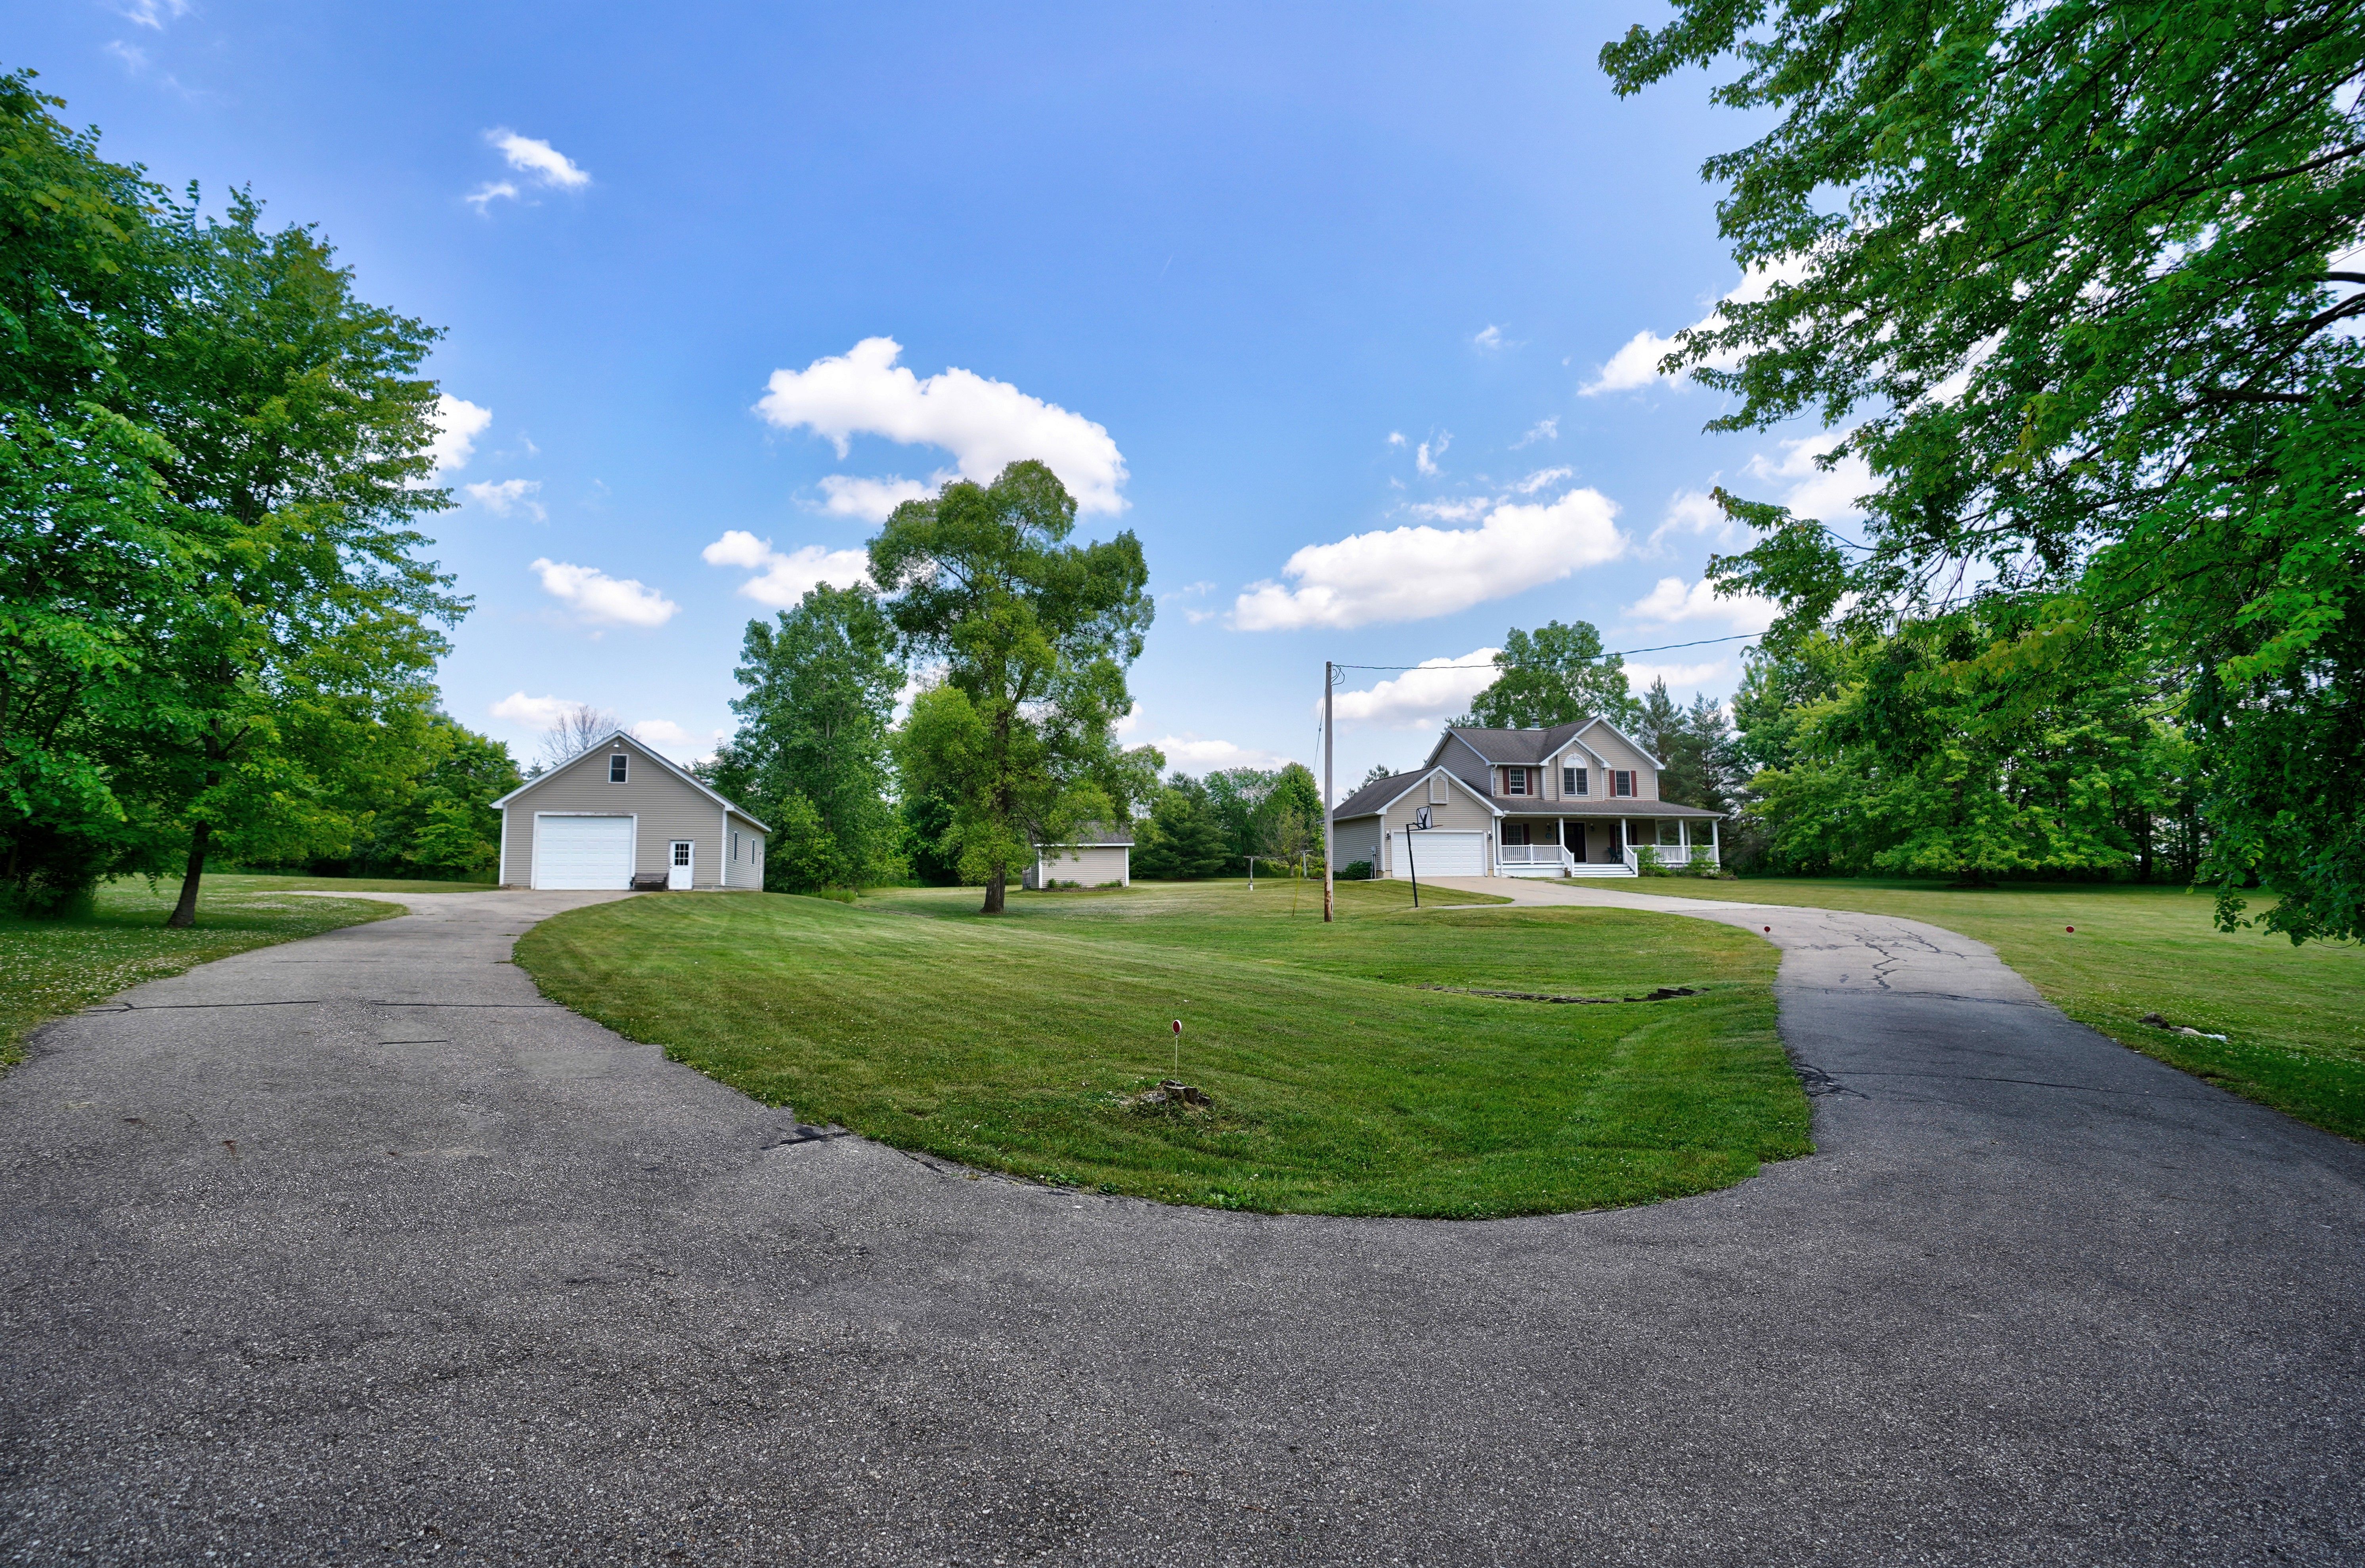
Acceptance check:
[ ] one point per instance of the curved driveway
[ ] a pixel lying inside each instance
(355, 1250)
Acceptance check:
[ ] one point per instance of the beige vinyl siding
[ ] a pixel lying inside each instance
(1092, 865)
(1616, 753)
(668, 809)
(748, 871)
(1359, 839)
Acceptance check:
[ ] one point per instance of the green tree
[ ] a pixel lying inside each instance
(441, 823)
(1556, 674)
(1693, 744)
(1236, 798)
(301, 431)
(1181, 840)
(1296, 797)
(2067, 278)
(818, 689)
(1034, 636)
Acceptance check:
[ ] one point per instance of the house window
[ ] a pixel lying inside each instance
(735, 849)
(681, 854)
(616, 769)
(1515, 833)
(1572, 781)
(1621, 782)
(1515, 779)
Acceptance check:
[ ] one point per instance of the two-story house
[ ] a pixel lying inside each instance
(1572, 801)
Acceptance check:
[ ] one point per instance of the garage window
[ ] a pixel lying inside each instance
(616, 769)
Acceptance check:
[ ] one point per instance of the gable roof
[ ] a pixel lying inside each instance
(1532, 748)
(1090, 835)
(623, 737)
(1381, 793)
(1631, 743)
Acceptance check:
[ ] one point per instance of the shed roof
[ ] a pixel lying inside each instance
(627, 739)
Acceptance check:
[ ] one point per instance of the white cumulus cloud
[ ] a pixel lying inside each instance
(874, 501)
(785, 578)
(986, 425)
(1670, 602)
(1409, 574)
(662, 733)
(1692, 511)
(538, 160)
(491, 190)
(1542, 430)
(1637, 363)
(1488, 337)
(508, 497)
(1194, 754)
(1810, 490)
(596, 597)
(1425, 457)
(458, 423)
(1422, 698)
(534, 713)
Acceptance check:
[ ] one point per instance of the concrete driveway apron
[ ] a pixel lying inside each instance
(356, 1250)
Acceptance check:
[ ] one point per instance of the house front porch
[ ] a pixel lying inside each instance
(1572, 846)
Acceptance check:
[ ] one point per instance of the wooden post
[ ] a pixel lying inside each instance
(1329, 845)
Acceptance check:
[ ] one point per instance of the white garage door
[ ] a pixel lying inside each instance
(1436, 854)
(583, 852)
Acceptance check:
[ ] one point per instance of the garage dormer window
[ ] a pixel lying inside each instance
(616, 765)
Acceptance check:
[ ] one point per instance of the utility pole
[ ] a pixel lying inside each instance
(1329, 847)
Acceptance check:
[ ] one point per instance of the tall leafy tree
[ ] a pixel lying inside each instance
(1554, 674)
(1034, 636)
(819, 687)
(2073, 280)
(300, 429)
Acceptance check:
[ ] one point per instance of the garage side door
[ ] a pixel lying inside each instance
(1436, 854)
(583, 852)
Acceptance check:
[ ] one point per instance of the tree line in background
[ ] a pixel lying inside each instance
(217, 635)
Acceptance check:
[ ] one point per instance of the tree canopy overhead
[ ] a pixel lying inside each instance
(2076, 280)
(1554, 674)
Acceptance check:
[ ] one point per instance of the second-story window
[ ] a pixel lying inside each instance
(1515, 779)
(1572, 781)
(1621, 782)
(616, 769)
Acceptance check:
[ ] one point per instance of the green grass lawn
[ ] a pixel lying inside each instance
(52, 967)
(2293, 1017)
(1339, 1087)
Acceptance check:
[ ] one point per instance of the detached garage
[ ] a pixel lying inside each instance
(618, 811)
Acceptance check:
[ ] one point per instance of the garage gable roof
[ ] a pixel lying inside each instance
(1381, 793)
(626, 739)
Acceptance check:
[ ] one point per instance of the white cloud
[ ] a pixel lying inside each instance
(538, 160)
(458, 423)
(1542, 430)
(1692, 511)
(1130, 722)
(1460, 510)
(1423, 698)
(1637, 363)
(1541, 478)
(1812, 492)
(534, 713)
(1408, 574)
(1425, 457)
(1194, 754)
(1670, 602)
(597, 597)
(1190, 612)
(491, 190)
(508, 497)
(786, 579)
(986, 425)
(1639, 676)
(1395, 438)
(662, 733)
(154, 13)
(1488, 337)
(875, 500)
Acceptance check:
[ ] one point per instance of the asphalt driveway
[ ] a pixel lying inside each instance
(355, 1250)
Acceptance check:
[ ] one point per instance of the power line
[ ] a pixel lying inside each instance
(1613, 654)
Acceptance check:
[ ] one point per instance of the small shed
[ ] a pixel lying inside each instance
(617, 811)
(1098, 856)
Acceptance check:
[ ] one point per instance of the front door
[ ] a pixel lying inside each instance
(677, 860)
(1572, 838)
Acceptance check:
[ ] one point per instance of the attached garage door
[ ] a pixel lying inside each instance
(1436, 854)
(583, 852)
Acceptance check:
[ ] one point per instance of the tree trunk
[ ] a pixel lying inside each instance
(995, 887)
(184, 913)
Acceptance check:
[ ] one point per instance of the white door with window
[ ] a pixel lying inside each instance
(572, 852)
(677, 863)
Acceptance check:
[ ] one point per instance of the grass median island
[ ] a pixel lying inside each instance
(48, 967)
(2293, 1017)
(1019, 1044)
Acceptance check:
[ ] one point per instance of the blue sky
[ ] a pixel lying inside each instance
(1337, 308)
